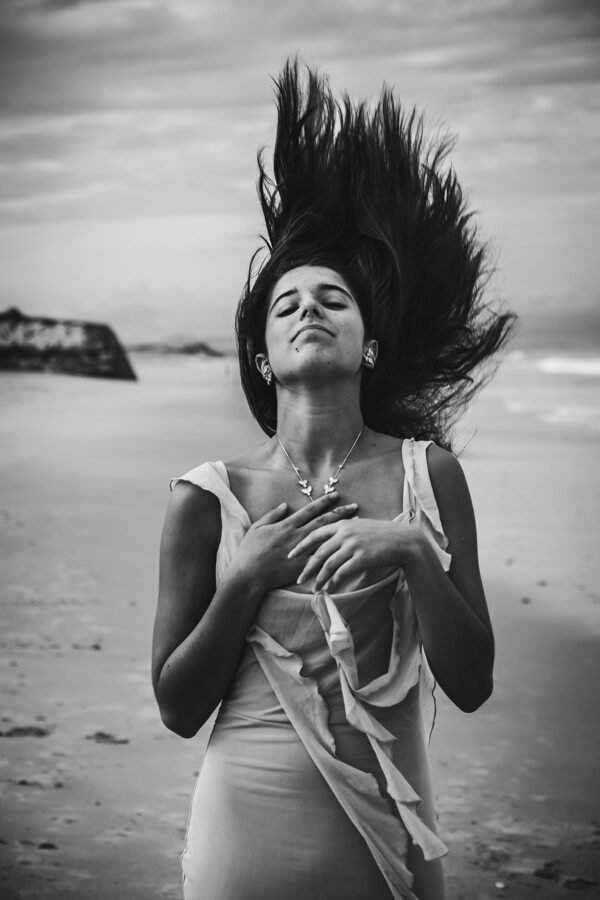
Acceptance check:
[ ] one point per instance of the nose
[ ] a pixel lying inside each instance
(309, 306)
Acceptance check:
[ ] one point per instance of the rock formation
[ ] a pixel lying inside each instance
(39, 344)
(194, 348)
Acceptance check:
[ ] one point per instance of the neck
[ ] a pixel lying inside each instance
(318, 431)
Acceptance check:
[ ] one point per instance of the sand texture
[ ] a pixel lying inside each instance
(94, 791)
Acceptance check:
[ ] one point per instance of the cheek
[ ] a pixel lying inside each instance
(272, 338)
(354, 333)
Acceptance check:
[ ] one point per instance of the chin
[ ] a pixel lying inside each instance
(322, 365)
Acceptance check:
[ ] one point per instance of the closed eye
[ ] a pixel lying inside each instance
(332, 297)
(330, 304)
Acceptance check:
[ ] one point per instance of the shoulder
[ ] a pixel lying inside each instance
(252, 459)
(380, 444)
(445, 470)
(450, 489)
(192, 513)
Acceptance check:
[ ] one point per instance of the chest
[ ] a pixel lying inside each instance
(375, 486)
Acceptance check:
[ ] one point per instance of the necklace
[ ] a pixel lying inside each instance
(305, 487)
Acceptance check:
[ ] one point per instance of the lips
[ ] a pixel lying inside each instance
(313, 326)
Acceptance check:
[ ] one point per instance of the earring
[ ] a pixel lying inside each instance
(369, 358)
(267, 372)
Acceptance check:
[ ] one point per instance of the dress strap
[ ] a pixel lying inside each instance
(418, 495)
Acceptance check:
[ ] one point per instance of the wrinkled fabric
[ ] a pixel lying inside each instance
(317, 772)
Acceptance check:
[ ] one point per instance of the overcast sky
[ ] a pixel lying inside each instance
(128, 133)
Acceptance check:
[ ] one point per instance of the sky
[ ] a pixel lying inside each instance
(129, 131)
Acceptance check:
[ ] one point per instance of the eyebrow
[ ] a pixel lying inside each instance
(319, 289)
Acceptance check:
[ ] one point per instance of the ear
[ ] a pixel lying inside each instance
(260, 360)
(373, 346)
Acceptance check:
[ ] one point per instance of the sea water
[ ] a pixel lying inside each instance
(561, 390)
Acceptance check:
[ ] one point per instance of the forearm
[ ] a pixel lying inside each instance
(195, 677)
(458, 645)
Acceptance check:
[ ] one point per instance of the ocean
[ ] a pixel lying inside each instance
(561, 390)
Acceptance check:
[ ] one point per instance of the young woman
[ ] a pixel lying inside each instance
(318, 585)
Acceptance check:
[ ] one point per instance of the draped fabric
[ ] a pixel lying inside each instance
(316, 772)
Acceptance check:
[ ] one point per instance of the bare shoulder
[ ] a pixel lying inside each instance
(256, 458)
(381, 444)
(445, 471)
(452, 496)
(192, 513)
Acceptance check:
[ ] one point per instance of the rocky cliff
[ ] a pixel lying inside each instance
(194, 348)
(38, 344)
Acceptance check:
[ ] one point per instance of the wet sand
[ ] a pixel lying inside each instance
(94, 791)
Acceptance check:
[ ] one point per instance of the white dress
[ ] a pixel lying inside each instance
(317, 769)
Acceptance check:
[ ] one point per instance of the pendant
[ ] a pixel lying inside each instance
(305, 487)
(329, 488)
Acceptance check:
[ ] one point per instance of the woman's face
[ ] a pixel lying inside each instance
(313, 326)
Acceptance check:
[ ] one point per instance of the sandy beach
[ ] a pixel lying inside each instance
(94, 790)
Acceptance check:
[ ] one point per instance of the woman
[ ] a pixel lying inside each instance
(319, 585)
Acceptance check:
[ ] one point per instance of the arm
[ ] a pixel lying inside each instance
(200, 629)
(451, 608)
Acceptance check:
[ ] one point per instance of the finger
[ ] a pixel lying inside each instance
(273, 515)
(331, 568)
(311, 510)
(317, 560)
(337, 577)
(322, 528)
(347, 511)
(312, 541)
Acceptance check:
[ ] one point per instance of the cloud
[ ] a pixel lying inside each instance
(35, 201)
(125, 109)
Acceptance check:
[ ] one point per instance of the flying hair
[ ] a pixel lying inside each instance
(363, 190)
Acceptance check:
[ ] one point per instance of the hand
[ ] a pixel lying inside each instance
(263, 554)
(348, 547)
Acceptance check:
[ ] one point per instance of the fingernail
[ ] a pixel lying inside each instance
(291, 553)
(300, 579)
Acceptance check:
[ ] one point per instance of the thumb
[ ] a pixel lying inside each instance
(273, 515)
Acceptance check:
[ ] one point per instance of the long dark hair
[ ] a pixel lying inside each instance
(365, 192)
